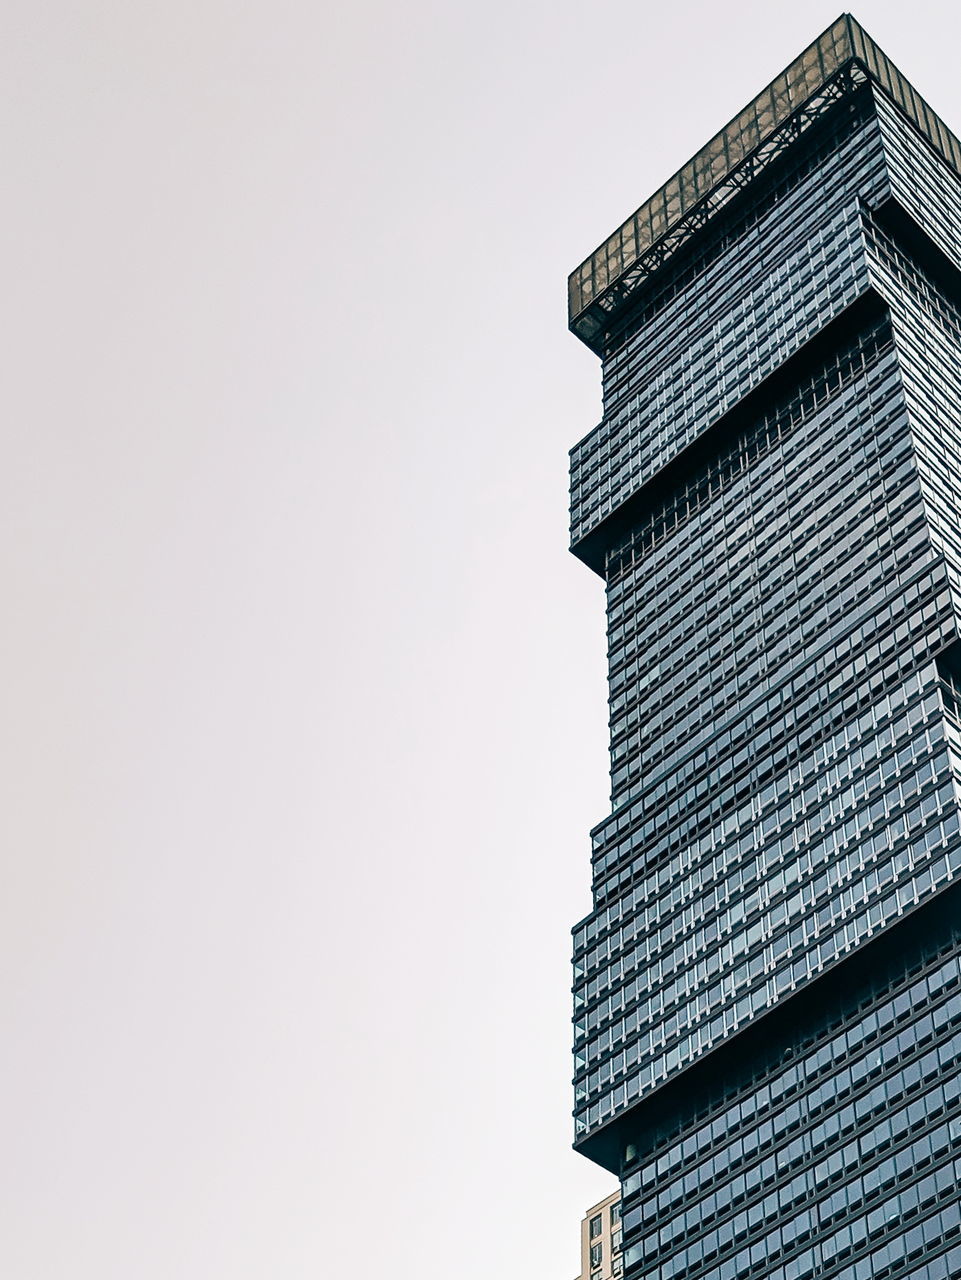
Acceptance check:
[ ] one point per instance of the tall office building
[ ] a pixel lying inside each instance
(768, 987)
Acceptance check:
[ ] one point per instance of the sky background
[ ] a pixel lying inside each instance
(303, 699)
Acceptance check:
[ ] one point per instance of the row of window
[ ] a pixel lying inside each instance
(929, 332)
(909, 1222)
(770, 319)
(673, 415)
(747, 617)
(791, 691)
(863, 665)
(744, 626)
(751, 444)
(914, 703)
(779, 592)
(745, 261)
(742, 545)
(717, 869)
(739, 537)
(934, 856)
(796, 1203)
(921, 180)
(752, 968)
(596, 1243)
(873, 808)
(718, 789)
(892, 1104)
(743, 573)
(818, 1072)
(781, 208)
(741, 542)
(883, 1105)
(875, 743)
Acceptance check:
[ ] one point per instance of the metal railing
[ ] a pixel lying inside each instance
(709, 172)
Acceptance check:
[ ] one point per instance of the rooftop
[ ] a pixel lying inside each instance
(843, 56)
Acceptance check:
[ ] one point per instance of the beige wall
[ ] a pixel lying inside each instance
(605, 1220)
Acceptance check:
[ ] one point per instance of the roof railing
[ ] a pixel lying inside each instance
(599, 284)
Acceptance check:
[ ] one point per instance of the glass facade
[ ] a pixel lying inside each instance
(768, 989)
(843, 1158)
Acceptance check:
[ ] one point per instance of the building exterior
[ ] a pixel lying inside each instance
(768, 987)
(601, 1241)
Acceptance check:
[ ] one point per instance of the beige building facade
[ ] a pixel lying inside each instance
(601, 1241)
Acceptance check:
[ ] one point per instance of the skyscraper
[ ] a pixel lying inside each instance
(768, 987)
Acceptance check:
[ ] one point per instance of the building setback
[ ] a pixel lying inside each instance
(768, 988)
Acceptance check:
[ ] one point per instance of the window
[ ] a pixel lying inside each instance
(596, 1224)
(615, 1213)
(595, 1255)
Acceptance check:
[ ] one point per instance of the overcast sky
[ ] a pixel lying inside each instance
(302, 696)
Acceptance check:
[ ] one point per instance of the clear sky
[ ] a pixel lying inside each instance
(302, 697)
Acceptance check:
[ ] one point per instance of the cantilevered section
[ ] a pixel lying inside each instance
(842, 58)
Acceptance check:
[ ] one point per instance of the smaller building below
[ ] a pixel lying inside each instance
(601, 1240)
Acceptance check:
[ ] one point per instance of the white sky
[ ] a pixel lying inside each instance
(303, 699)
